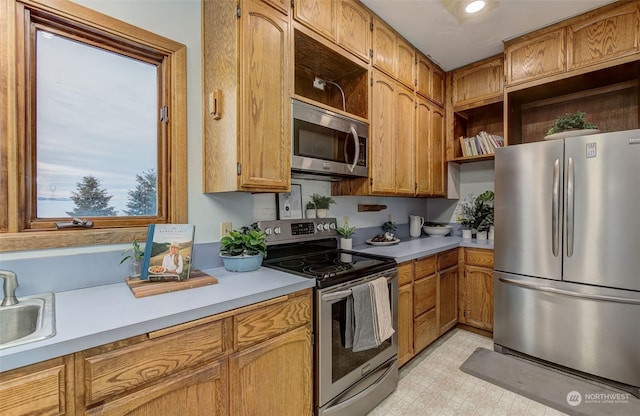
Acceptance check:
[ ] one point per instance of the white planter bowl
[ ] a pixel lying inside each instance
(437, 231)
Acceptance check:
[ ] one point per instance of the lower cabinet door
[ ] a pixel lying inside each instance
(405, 323)
(274, 377)
(425, 330)
(479, 297)
(199, 392)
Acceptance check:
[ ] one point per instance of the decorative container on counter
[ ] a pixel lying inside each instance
(242, 263)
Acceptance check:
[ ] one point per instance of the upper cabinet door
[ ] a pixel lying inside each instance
(264, 144)
(384, 46)
(436, 155)
(354, 32)
(437, 85)
(603, 37)
(319, 15)
(536, 57)
(383, 143)
(423, 133)
(405, 139)
(479, 82)
(423, 76)
(405, 63)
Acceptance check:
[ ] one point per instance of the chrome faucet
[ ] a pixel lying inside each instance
(10, 285)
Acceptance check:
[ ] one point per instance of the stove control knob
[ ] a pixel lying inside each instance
(332, 225)
(277, 230)
(319, 227)
(267, 231)
(326, 227)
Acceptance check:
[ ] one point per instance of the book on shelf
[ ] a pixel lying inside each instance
(167, 252)
(482, 143)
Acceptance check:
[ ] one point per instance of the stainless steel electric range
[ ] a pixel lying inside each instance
(346, 382)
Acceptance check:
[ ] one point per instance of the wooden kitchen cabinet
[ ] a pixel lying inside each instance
(44, 388)
(447, 299)
(282, 6)
(424, 187)
(274, 377)
(405, 63)
(534, 56)
(437, 165)
(225, 364)
(430, 80)
(382, 135)
(604, 36)
(475, 296)
(354, 32)
(383, 46)
(405, 320)
(246, 97)
(478, 84)
(318, 15)
(405, 128)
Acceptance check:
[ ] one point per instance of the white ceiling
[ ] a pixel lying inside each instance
(431, 28)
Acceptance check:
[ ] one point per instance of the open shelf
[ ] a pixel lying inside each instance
(470, 122)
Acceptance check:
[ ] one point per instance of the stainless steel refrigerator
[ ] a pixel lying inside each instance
(567, 253)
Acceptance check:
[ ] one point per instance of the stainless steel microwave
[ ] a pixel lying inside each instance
(326, 143)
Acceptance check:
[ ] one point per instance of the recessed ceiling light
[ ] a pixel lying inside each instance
(475, 6)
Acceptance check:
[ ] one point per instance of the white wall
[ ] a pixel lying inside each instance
(475, 178)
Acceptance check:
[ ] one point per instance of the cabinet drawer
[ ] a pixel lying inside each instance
(425, 267)
(425, 330)
(424, 295)
(38, 389)
(479, 257)
(405, 273)
(108, 371)
(259, 324)
(447, 259)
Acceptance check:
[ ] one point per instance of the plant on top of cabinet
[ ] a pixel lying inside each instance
(573, 121)
(243, 249)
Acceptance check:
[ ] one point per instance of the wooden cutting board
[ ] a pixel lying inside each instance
(142, 288)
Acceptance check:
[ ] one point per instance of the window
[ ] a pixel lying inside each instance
(92, 126)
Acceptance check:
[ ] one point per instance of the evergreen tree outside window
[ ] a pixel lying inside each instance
(142, 199)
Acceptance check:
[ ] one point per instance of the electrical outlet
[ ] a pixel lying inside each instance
(225, 229)
(345, 220)
(319, 83)
(389, 217)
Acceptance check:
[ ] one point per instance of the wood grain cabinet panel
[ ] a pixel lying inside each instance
(43, 389)
(426, 266)
(354, 33)
(247, 97)
(536, 56)
(382, 139)
(424, 294)
(447, 259)
(200, 392)
(112, 370)
(438, 91)
(447, 298)
(257, 325)
(437, 163)
(479, 297)
(384, 46)
(425, 330)
(405, 141)
(274, 377)
(405, 273)
(605, 36)
(319, 15)
(405, 323)
(424, 71)
(479, 82)
(280, 5)
(423, 143)
(479, 257)
(405, 63)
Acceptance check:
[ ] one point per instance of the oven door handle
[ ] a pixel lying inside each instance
(343, 294)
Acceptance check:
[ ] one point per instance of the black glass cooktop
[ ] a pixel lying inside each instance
(328, 267)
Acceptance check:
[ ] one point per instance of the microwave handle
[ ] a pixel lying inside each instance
(356, 141)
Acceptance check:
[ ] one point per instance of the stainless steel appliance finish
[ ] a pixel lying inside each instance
(566, 253)
(346, 382)
(326, 143)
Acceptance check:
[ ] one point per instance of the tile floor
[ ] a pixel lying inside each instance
(432, 384)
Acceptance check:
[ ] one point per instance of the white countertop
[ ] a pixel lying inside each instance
(89, 317)
(414, 248)
(86, 318)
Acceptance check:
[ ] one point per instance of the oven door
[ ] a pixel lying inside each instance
(352, 382)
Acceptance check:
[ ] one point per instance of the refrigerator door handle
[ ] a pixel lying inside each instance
(570, 205)
(555, 208)
(553, 290)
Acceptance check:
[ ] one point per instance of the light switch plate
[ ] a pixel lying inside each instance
(225, 229)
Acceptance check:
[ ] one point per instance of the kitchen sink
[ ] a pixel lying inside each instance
(31, 319)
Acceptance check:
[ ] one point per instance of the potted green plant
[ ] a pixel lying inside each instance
(135, 254)
(570, 121)
(477, 213)
(243, 249)
(346, 232)
(322, 204)
(310, 210)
